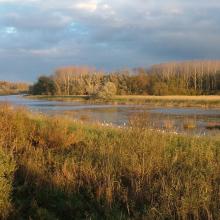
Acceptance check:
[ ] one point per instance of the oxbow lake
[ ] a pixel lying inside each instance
(187, 120)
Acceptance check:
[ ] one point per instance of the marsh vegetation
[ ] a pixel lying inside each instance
(159, 116)
(10, 88)
(156, 101)
(61, 169)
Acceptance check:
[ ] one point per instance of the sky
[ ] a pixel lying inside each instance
(37, 36)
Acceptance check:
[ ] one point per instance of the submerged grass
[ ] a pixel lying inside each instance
(66, 170)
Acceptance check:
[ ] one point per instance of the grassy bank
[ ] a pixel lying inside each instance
(6, 93)
(67, 170)
(181, 101)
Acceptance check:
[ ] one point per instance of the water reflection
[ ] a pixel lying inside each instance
(191, 120)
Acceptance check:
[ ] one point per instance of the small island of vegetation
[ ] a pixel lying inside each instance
(189, 83)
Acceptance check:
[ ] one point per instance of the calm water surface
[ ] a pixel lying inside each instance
(157, 117)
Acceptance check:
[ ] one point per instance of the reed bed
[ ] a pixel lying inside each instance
(174, 97)
(170, 101)
(66, 170)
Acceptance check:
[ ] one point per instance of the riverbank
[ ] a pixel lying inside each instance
(169, 101)
(58, 168)
(10, 93)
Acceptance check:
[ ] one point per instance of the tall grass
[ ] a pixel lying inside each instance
(7, 169)
(67, 170)
(170, 101)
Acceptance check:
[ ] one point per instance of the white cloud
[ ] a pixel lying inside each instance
(90, 6)
(172, 10)
(5, 32)
(133, 32)
(10, 30)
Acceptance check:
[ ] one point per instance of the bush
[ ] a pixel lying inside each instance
(44, 86)
(107, 91)
(7, 169)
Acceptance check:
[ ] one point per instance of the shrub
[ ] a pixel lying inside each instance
(52, 133)
(44, 86)
(107, 91)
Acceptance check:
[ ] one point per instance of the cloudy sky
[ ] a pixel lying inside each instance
(36, 36)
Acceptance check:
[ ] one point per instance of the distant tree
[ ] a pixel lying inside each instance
(107, 91)
(7, 88)
(174, 78)
(44, 86)
(189, 77)
(138, 84)
(218, 83)
(160, 88)
(93, 82)
(75, 80)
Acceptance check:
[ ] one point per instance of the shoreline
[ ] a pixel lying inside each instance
(158, 101)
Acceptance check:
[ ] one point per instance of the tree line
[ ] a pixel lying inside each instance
(8, 88)
(174, 78)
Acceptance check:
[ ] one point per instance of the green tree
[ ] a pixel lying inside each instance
(44, 86)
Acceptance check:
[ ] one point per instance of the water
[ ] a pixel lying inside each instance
(178, 119)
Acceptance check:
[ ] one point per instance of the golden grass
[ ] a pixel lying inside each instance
(7, 169)
(189, 124)
(67, 170)
(171, 101)
(145, 97)
(178, 101)
(173, 97)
